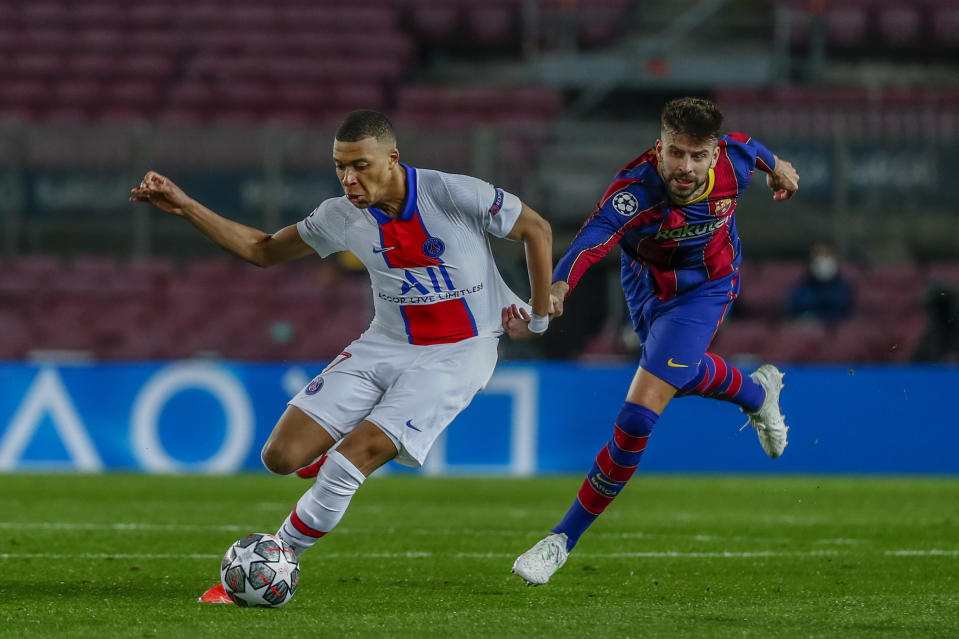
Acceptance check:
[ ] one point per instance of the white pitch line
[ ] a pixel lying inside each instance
(668, 554)
(121, 526)
(671, 554)
(134, 526)
(106, 555)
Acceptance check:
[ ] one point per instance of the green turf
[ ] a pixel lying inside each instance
(126, 556)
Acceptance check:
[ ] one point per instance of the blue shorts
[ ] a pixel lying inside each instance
(676, 333)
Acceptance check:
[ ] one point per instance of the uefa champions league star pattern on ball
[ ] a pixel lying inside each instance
(260, 570)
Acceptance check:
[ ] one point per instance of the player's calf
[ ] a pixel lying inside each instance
(320, 508)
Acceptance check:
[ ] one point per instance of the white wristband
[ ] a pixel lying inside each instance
(538, 324)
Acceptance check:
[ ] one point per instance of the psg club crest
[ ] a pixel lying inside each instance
(625, 203)
(315, 385)
(433, 247)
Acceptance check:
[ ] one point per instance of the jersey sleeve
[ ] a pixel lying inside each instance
(498, 209)
(753, 152)
(324, 229)
(623, 207)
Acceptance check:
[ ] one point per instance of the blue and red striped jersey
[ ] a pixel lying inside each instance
(682, 246)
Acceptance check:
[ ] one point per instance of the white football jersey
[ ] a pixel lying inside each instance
(433, 276)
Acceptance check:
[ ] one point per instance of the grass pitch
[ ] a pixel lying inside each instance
(711, 556)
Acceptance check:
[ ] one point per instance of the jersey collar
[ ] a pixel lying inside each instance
(409, 209)
(709, 189)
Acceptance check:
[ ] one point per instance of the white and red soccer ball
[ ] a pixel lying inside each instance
(260, 570)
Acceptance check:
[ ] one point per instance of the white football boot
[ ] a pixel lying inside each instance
(538, 564)
(769, 423)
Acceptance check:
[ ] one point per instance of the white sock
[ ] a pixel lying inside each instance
(320, 508)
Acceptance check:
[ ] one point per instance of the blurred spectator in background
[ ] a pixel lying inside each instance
(940, 339)
(823, 294)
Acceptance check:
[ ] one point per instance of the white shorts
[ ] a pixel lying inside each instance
(410, 392)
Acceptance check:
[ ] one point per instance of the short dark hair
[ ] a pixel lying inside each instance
(366, 124)
(697, 118)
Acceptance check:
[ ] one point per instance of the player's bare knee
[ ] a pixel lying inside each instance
(277, 459)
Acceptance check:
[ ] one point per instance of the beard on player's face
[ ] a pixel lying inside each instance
(682, 184)
(684, 163)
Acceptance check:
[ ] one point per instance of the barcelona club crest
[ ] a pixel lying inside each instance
(433, 247)
(723, 206)
(315, 385)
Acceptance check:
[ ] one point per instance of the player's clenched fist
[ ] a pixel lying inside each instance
(784, 180)
(161, 192)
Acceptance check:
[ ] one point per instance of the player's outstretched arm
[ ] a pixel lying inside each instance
(245, 242)
(536, 234)
(783, 180)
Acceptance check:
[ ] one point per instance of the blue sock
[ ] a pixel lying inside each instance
(614, 465)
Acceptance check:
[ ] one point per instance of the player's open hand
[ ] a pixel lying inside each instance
(516, 323)
(161, 192)
(784, 180)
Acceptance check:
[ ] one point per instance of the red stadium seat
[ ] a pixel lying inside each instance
(607, 344)
(889, 292)
(899, 26)
(945, 272)
(146, 66)
(794, 342)
(103, 40)
(98, 66)
(742, 336)
(99, 14)
(44, 12)
(435, 21)
(193, 94)
(491, 24)
(16, 334)
(858, 340)
(945, 25)
(29, 93)
(767, 291)
(139, 95)
(38, 65)
(846, 26)
(79, 93)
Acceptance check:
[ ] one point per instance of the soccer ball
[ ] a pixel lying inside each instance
(260, 570)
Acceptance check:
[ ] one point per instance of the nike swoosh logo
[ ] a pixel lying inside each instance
(383, 249)
(409, 422)
(673, 364)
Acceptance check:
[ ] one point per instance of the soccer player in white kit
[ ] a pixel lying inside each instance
(440, 306)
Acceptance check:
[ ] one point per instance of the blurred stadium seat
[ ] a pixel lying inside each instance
(846, 25)
(184, 66)
(899, 26)
(153, 308)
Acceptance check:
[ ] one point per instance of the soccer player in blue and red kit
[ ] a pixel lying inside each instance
(671, 211)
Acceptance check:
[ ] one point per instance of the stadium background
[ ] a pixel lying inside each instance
(122, 330)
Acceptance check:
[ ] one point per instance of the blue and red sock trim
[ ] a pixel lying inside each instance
(718, 379)
(614, 465)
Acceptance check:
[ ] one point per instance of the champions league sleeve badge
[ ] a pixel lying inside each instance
(625, 203)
